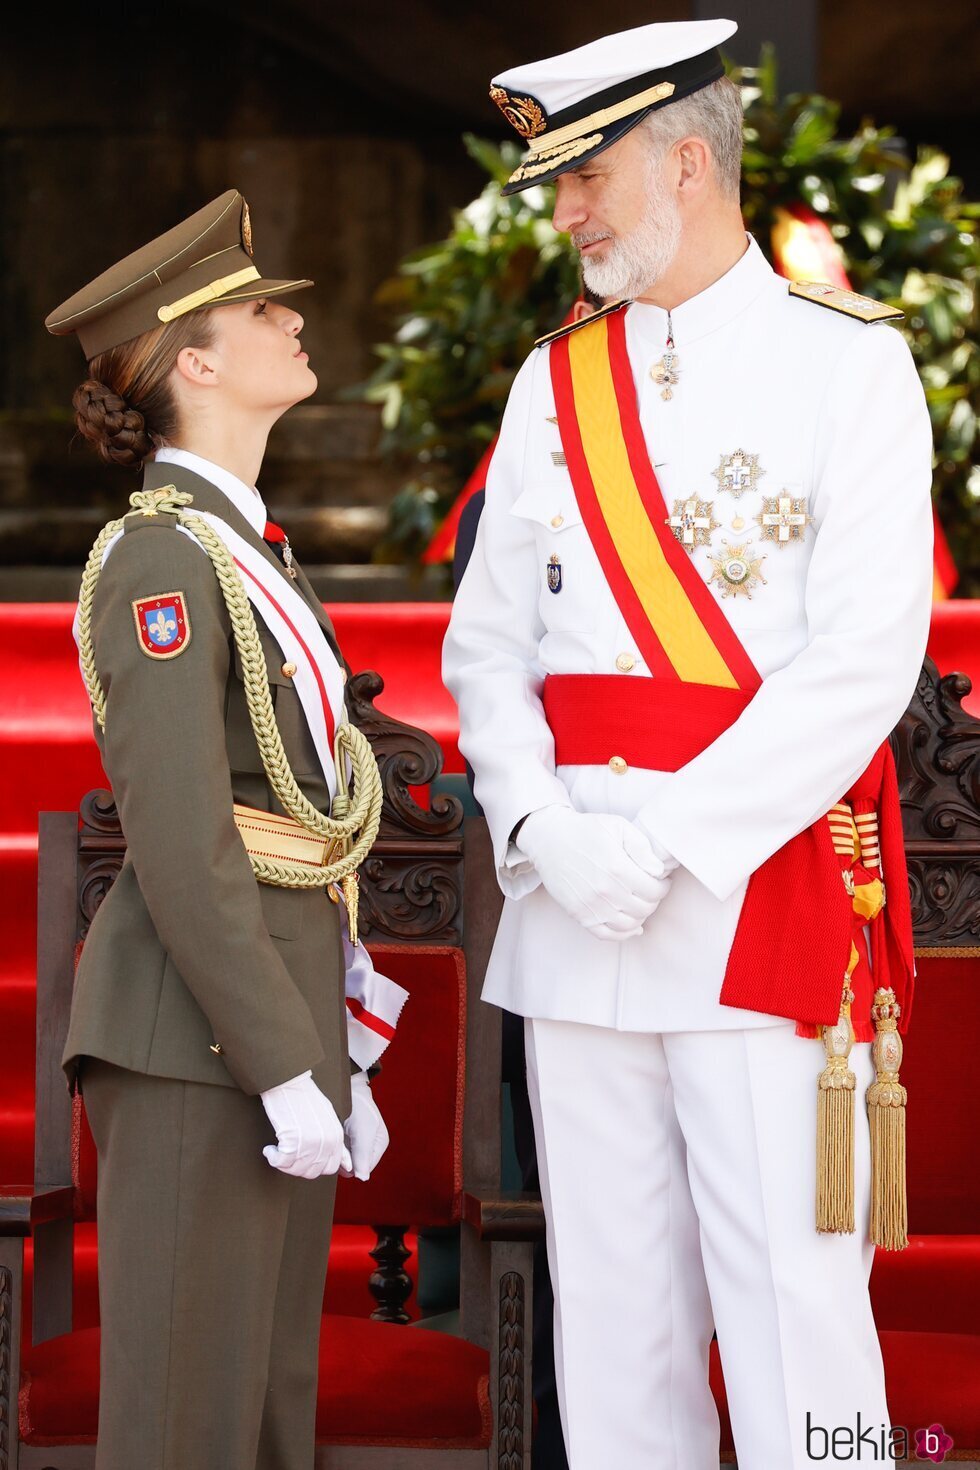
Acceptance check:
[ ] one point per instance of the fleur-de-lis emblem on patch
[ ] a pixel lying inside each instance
(163, 629)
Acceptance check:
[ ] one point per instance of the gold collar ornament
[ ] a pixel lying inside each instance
(737, 571)
(738, 472)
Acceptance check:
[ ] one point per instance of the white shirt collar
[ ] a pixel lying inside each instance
(245, 498)
(711, 308)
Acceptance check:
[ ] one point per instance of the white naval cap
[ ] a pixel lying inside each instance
(572, 106)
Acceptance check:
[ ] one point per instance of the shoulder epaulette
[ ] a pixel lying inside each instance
(863, 308)
(585, 322)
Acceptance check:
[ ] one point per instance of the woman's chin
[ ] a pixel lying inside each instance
(307, 385)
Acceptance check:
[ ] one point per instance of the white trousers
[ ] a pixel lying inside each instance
(677, 1172)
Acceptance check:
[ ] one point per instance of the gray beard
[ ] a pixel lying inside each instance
(633, 263)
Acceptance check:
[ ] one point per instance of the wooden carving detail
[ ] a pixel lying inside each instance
(390, 1284)
(8, 1389)
(402, 898)
(411, 885)
(937, 752)
(406, 757)
(510, 1373)
(101, 848)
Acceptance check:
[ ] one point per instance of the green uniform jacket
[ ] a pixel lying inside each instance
(188, 951)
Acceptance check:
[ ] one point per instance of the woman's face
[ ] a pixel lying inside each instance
(257, 357)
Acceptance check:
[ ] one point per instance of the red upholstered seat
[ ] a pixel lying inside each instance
(933, 1286)
(379, 1385)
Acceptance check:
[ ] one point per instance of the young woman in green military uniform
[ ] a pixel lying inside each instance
(208, 1028)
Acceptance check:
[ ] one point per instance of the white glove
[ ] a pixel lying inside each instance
(601, 869)
(365, 1131)
(310, 1137)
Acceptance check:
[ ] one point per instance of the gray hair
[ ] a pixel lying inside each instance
(713, 114)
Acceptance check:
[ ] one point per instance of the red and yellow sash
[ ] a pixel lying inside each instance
(678, 625)
(702, 681)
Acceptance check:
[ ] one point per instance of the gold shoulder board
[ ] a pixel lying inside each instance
(849, 302)
(586, 321)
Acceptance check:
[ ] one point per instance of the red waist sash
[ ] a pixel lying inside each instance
(797, 923)
(659, 724)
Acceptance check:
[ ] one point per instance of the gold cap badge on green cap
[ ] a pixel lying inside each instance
(204, 261)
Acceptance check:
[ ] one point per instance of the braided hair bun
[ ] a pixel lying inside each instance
(116, 431)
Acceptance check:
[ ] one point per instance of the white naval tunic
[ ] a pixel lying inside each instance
(833, 409)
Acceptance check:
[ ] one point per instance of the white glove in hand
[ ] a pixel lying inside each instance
(365, 1131)
(310, 1135)
(601, 869)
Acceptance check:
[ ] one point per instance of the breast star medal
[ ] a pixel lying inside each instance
(693, 522)
(783, 518)
(666, 372)
(554, 574)
(737, 571)
(738, 472)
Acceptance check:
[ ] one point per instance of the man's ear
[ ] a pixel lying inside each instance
(582, 309)
(693, 165)
(197, 366)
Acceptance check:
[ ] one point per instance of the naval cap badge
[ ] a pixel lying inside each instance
(525, 114)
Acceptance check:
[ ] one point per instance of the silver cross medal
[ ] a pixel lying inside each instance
(693, 522)
(783, 519)
(666, 372)
(287, 558)
(738, 472)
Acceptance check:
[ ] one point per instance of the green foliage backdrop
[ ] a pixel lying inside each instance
(467, 310)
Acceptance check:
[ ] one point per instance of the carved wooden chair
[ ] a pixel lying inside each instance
(431, 1399)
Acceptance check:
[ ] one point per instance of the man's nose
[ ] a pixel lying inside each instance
(570, 211)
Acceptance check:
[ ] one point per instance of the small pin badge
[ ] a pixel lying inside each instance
(551, 418)
(554, 574)
(558, 458)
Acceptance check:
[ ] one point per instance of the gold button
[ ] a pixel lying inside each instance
(289, 670)
(557, 521)
(217, 1048)
(618, 765)
(625, 662)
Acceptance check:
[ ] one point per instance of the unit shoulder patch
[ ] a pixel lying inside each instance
(862, 308)
(586, 321)
(163, 624)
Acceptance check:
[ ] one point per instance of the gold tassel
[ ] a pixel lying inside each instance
(835, 1123)
(350, 899)
(886, 1115)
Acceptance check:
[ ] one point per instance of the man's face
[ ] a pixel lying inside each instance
(622, 214)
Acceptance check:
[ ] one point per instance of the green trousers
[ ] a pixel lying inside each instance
(211, 1274)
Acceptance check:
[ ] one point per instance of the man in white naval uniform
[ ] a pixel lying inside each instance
(675, 1133)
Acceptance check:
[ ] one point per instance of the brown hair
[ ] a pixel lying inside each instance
(127, 407)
